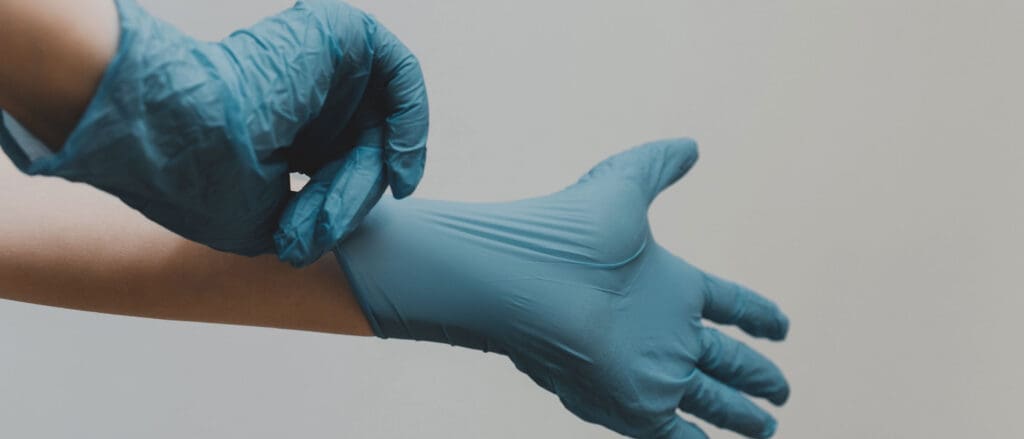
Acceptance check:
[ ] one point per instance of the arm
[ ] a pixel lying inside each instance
(572, 287)
(141, 110)
(54, 52)
(79, 249)
(576, 291)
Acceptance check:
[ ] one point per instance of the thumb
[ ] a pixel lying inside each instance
(653, 166)
(331, 205)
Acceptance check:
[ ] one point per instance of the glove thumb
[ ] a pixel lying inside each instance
(331, 205)
(653, 166)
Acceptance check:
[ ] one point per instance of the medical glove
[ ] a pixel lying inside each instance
(574, 289)
(200, 137)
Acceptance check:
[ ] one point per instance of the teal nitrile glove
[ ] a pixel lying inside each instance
(575, 291)
(201, 136)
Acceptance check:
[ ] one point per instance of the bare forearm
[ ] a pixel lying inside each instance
(54, 53)
(106, 258)
(169, 278)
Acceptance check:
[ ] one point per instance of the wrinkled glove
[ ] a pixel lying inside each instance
(200, 137)
(573, 288)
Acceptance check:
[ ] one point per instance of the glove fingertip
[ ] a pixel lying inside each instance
(292, 250)
(781, 397)
(404, 174)
(400, 191)
(769, 429)
(782, 322)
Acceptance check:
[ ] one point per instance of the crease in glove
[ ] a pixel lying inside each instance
(574, 289)
(201, 136)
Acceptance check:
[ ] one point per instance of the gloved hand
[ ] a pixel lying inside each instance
(200, 137)
(575, 291)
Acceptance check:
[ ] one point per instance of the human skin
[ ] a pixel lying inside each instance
(54, 54)
(77, 249)
(110, 259)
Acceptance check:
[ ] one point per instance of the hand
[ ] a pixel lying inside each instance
(200, 137)
(391, 115)
(573, 288)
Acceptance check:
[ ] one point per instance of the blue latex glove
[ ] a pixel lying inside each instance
(575, 291)
(200, 137)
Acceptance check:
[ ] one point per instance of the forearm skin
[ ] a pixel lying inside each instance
(109, 259)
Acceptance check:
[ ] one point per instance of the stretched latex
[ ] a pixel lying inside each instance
(576, 291)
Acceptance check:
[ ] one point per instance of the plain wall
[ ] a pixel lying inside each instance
(861, 164)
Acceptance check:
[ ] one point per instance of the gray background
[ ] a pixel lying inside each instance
(861, 164)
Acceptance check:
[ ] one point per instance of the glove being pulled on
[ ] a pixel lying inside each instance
(201, 136)
(573, 288)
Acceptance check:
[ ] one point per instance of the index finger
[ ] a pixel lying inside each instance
(407, 111)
